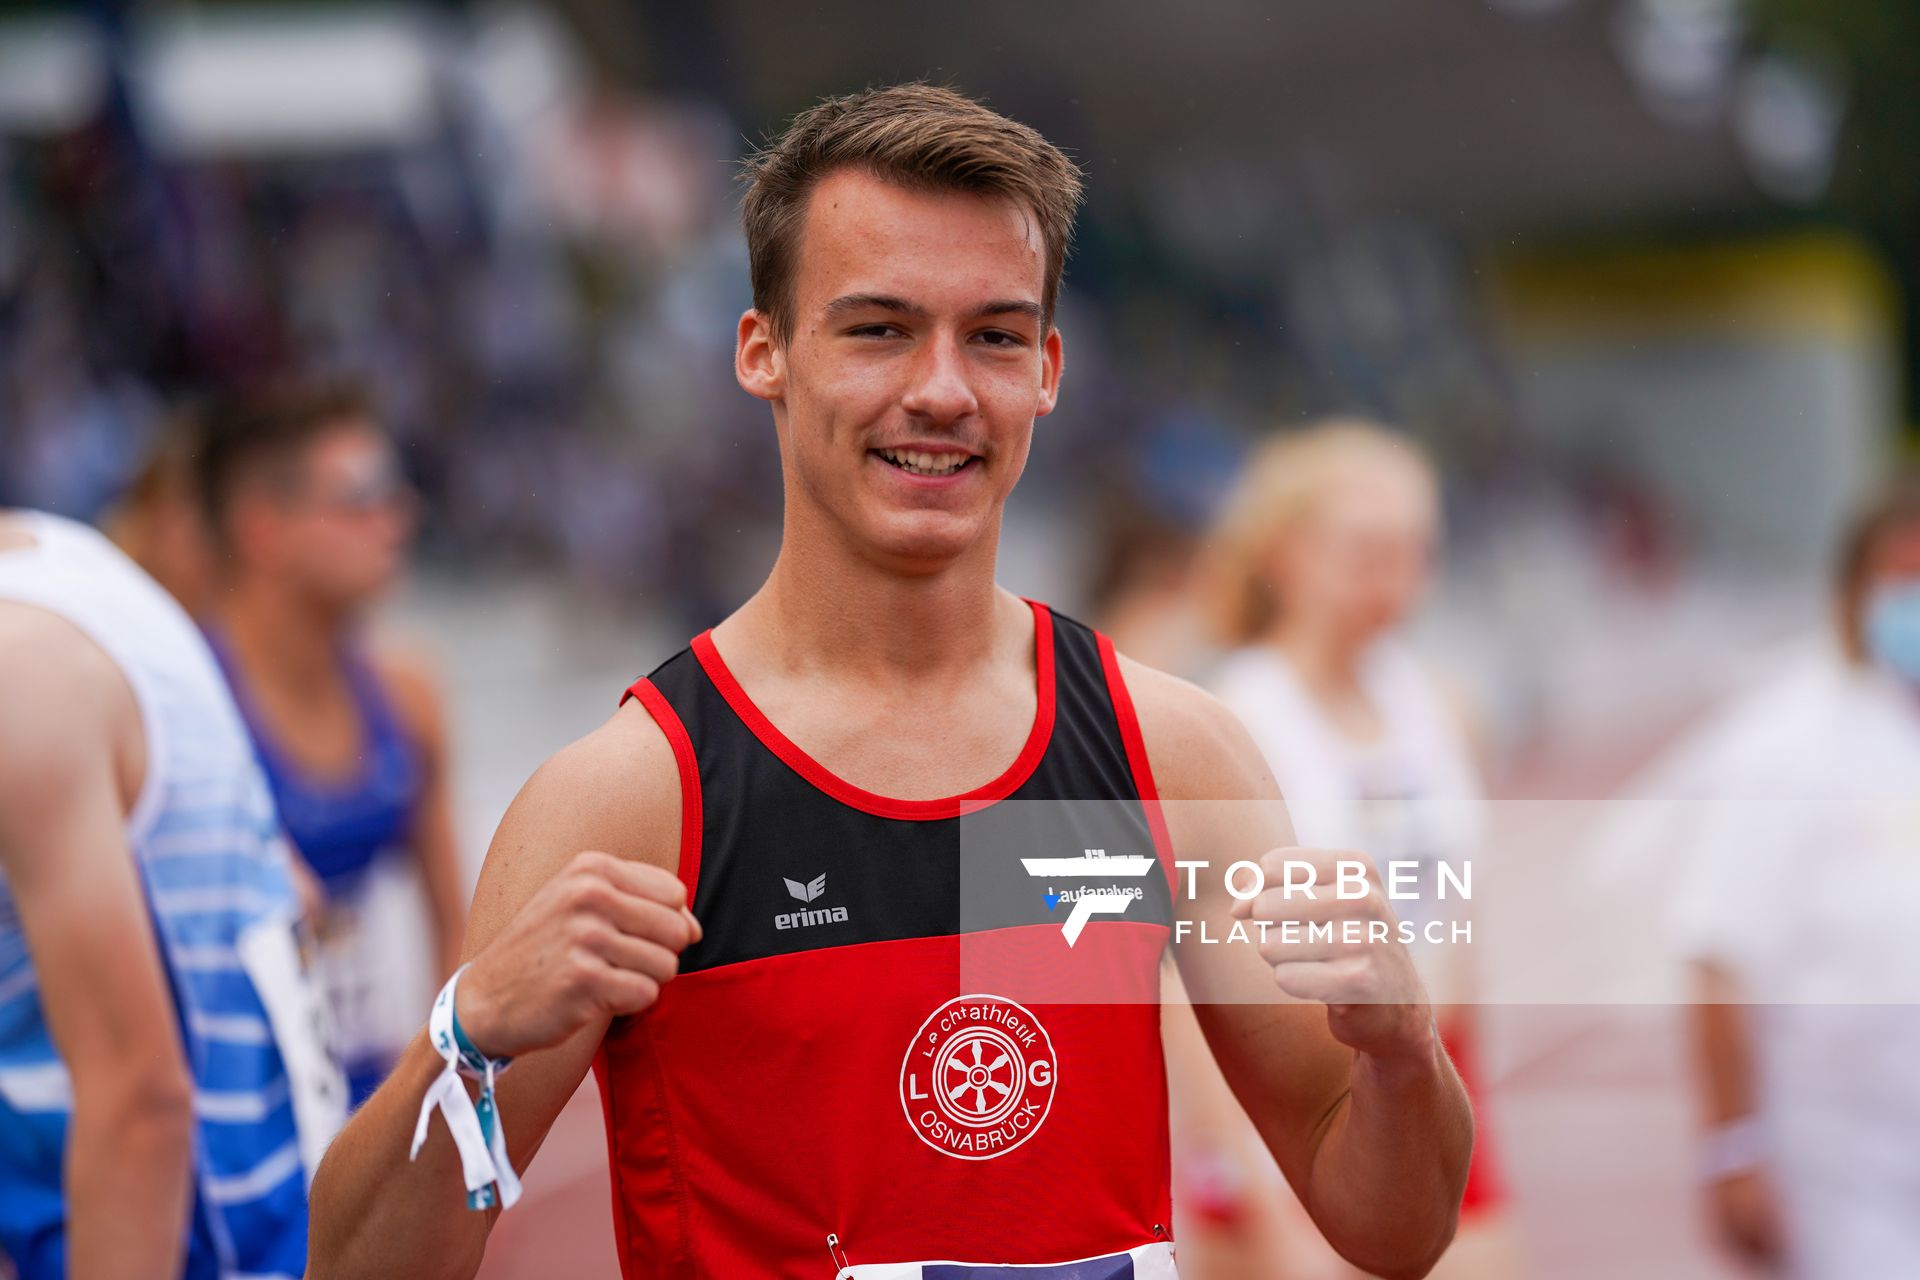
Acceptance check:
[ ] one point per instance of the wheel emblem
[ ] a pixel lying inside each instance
(978, 1078)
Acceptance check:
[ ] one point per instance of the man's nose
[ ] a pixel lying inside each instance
(940, 390)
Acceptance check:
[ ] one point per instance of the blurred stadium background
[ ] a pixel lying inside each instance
(1642, 273)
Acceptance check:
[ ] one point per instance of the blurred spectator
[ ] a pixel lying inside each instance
(1797, 909)
(1318, 560)
(310, 519)
(1142, 590)
(159, 522)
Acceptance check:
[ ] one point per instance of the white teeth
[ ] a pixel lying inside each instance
(925, 464)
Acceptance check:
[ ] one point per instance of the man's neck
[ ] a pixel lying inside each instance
(836, 613)
(277, 637)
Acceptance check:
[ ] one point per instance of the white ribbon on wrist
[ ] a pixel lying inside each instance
(476, 1131)
(1736, 1147)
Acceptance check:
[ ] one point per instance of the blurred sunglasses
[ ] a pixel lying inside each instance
(381, 490)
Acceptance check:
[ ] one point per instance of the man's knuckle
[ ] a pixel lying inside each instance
(577, 890)
(600, 899)
(578, 980)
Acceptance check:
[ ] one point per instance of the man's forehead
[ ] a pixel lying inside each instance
(347, 447)
(863, 234)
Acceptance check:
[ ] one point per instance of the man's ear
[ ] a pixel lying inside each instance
(759, 362)
(1053, 363)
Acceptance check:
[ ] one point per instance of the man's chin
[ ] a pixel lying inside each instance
(927, 542)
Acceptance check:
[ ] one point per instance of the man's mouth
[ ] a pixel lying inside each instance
(916, 462)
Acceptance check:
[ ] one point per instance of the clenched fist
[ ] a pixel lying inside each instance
(1344, 952)
(1746, 1211)
(599, 940)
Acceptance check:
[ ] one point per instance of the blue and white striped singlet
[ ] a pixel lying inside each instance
(215, 865)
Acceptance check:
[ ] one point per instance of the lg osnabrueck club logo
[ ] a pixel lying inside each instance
(1110, 900)
(978, 1078)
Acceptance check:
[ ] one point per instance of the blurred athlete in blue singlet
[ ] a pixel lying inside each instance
(310, 518)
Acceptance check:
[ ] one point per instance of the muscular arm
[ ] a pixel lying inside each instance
(376, 1214)
(72, 756)
(1376, 1147)
(415, 694)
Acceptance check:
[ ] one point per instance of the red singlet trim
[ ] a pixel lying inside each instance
(663, 715)
(888, 806)
(1136, 747)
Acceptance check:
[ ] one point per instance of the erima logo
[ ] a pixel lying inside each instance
(807, 893)
(1088, 903)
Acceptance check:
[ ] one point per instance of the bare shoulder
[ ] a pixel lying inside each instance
(410, 676)
(69, 711)
(58, 685)
(1197, 747)
(616, 790)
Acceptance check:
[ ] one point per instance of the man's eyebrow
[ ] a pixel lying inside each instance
(1011, 307)
(873, 302)
(900, 306)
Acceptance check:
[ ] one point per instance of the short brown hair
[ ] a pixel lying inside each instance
(259, 432)
(1895, 506)
(921, 136)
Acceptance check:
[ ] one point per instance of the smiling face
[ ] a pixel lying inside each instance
(919, 358)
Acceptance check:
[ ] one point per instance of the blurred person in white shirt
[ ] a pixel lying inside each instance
(1319, 558)
(1797, 909)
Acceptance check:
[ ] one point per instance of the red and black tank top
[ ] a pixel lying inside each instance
(885, 1035)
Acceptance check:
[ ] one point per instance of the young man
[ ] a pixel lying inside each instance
(163, 1084)
(310, 520)
(815, 1074)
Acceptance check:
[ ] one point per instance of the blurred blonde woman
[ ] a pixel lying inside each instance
(1319, 558)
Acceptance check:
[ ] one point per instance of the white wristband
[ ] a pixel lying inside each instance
(476, 1130)
(1739, 1146)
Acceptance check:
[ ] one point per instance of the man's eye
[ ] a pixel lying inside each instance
(872, 331)
(1000, 338)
